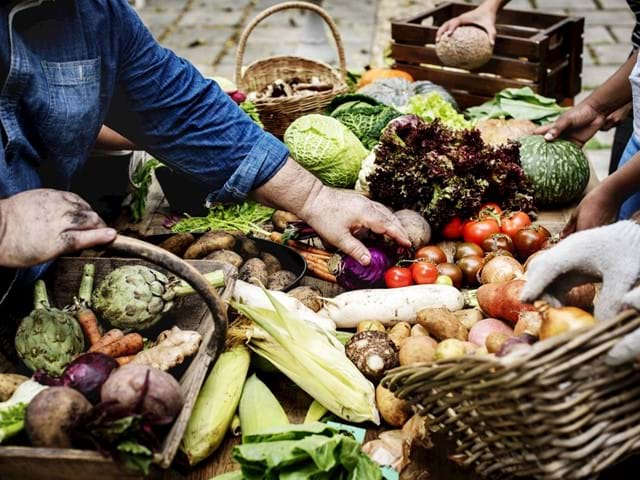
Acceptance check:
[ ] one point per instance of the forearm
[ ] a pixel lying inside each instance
(493, 5)
(111, 140)
(624, 182)
(616, 91)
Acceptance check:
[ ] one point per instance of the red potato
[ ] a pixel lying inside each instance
(481, 330)
(502, 300)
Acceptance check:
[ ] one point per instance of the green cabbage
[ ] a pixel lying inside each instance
(326, 148)
(432, 106)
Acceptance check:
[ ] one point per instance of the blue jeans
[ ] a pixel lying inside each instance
(632, 204)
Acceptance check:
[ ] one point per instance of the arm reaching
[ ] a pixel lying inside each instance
(484, 15)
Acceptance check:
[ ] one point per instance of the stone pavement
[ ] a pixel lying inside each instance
(207, 32)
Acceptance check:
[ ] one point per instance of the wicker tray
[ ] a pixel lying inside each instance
(556, 412)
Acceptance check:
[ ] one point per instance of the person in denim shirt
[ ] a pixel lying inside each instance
(68, 67)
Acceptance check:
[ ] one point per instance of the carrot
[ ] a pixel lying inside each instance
(316, 260)
(130, 344)
(322, 274)
(124, 360)
(277, 237)
(107, 338)
(89, 323)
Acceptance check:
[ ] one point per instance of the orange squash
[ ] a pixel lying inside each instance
(377, 73)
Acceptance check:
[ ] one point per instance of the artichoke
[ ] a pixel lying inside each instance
(48, 339)
(133, 297)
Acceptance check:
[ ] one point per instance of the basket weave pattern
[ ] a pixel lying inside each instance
(278, 113)
(555, 412)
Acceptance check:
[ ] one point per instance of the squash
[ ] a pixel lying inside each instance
(377, 73)
(396, 92)
(559, 170)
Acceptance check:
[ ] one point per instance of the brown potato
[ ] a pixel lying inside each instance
(272, 263)
(246, 247)
(8, 384)
(281, 218)
(442, 324)
(281, 280)
(495, 340)
(178, 243)
(417, 350)
(394, 411)
(254, 271)
(399, 332)
(227, 256)
(210, 242)
(309, 296)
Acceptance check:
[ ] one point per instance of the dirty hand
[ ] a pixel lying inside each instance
(606, 253)
(482, 16)
(336, 215)
(39, 225)
(577, 125)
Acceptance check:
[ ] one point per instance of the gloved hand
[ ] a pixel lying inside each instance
(610, 254)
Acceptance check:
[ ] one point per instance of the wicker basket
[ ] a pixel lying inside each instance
(278, 113)
(555, 412)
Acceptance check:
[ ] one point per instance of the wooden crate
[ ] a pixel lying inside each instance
(28, 463)
(532, 49)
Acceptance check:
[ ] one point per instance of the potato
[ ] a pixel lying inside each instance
(208, 243)
(394, 411)
(442, 324)
(450, 348)
(419, 331)
(254, 271)
(272, 263)
(417, 228)
(469, 317)
(528, 322)
(495, 340)
(308, 296)
(227, 256)
(178, 243)
(280, 280)
(281, 218)
(246, 247)
(370, 325)
(481, 330)
(417, 349)
(399, 332)
(52, 414)
(8, 384)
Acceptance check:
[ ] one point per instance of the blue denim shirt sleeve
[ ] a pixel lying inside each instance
(189, 123)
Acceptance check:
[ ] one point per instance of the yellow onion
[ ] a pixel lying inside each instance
(556, 321)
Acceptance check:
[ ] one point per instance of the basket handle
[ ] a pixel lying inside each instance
(287, 6)
(187, 272)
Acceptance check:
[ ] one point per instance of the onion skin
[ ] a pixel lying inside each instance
(501, 269)
(556, 321)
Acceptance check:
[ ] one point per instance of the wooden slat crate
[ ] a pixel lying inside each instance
(532, 49)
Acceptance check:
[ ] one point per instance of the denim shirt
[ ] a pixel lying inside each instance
(76, 64)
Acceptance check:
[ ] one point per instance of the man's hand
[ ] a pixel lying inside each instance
(39, 225)
(597, 208)
(483, 16)
(337, 214)
(577, 125)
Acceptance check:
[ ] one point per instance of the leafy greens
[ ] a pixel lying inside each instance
(246, 217)
(431, 106)
(521, 103)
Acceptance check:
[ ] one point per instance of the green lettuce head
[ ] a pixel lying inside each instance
(326, 148)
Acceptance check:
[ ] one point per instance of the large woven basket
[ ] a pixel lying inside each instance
(278, 113)
(555, 412)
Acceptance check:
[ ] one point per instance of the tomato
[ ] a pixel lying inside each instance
(529, 240)
(398, 277)
(497, 241)
(492, 206)
(424, 272)
(514, 222)
(444, 280)
(453, 229)
(470, 266)
(431, 254)
(475, 231)
(466, 249)
(453, 272)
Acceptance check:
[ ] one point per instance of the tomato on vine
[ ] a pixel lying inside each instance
(475, 231)
(512, 223)
(492, 207)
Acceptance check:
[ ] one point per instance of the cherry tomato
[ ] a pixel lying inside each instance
(424, 272)
(453, 272)
(444, 280)
(514, 222)
(398, 277)
(497, 241)
(475, 231)
(470, 266)
(431, 254)
(466, 249)
(492, 206)
(529, 240)
(453, 229)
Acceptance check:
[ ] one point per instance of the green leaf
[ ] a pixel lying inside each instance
(141, 180)
(246, 217)
(12, 420)
(135, 457)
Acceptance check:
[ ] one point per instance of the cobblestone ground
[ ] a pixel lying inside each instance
(207, 33)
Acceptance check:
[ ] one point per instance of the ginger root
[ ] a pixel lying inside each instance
(170, 349)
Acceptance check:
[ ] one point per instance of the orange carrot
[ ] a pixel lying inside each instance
(277, 237)
(89, 323)
(124, 360)
(321, 274)
(107, 338)
(130, 344)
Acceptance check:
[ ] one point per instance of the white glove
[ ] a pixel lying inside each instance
(610, 254)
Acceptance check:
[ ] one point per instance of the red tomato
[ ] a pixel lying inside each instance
(431, 254)
(453, 229)
(494, 207)
(397, 277)
(475, 231)
(424, 272)
(529, 240)
(514, 222)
